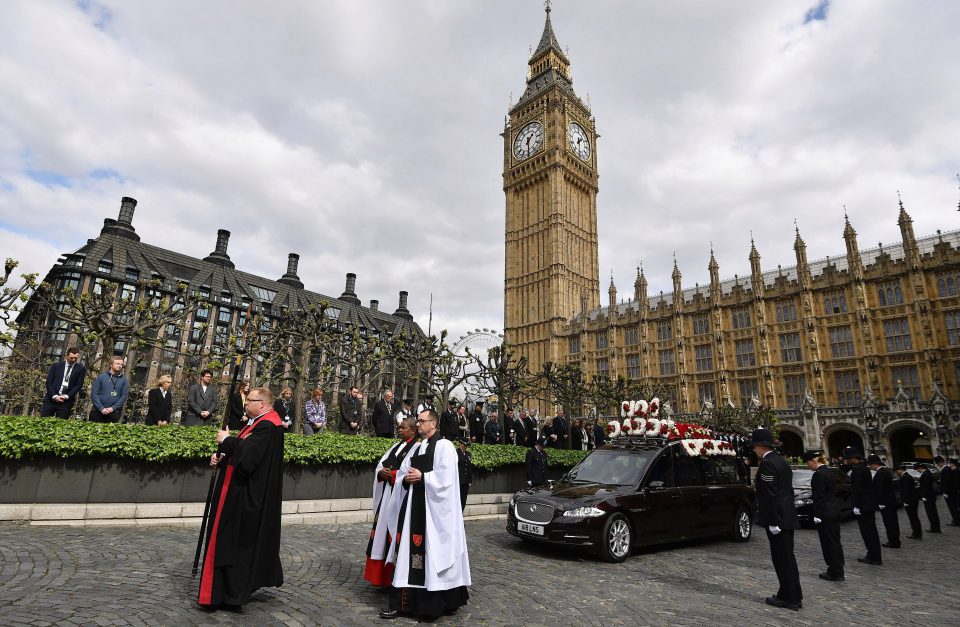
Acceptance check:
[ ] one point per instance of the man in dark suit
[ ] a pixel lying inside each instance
(519, 429)
(530, 423)
(64, 382)
(826, 514)
(599, 433)
(928, 494)
(561, 429)
(476, 423)
(777, 514)
(201, 401)
(886, 500)
(864, 505)
(350, 412)
(383, 413)
(911, 499)
(948, 485)
(492, 433)
(537, 463)
(464, 470)
(449, 424)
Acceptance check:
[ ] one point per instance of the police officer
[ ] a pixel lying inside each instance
(449, 425)
(864, 505)
(537, 463)
(928, 494)
(826, 514)
(464, 470)
(886, 500)
(476, 422)
(911, 499)
(777, 514)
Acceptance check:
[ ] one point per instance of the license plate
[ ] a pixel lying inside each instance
(536, 529)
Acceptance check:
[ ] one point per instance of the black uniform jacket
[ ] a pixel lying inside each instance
(864, 496)
(536, 466)
(824, 487)
(908, 489)
(775, 493)
(476, 426)
(927, 489)
(883, 487)
(449, 425)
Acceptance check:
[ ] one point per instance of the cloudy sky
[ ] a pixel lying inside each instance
(364, 134)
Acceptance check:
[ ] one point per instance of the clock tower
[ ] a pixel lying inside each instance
(550, 181)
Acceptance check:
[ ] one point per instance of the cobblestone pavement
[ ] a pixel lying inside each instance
(137, 576)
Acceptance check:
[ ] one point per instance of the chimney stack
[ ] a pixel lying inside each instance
(375, 305)
(349, 292)
(402, 311)
(127, 207)
(123, 226)
(291, 278)
(219, 255)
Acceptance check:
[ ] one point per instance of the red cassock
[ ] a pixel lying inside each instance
(243, 534)
(376, 570)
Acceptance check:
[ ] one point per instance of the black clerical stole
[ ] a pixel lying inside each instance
(392, 462)
(418, 515)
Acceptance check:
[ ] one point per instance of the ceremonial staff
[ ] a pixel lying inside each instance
(223, 425)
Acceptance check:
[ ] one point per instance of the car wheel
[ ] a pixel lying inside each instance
(616, 539)
(741, 526)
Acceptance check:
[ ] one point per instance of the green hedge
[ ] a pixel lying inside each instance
(26, 438)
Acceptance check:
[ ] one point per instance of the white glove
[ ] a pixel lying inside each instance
(882, 506)
(856, 511)
(774, 529)
(816, 520)
(924, 500)
(530, 483)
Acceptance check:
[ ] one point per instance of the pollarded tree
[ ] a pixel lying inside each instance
(503, 374)
(10, 300)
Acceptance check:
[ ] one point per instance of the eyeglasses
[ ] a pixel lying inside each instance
(427, 420)
(254, 400)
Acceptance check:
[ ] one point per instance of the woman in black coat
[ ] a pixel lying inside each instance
(160, 402)
(238, 402)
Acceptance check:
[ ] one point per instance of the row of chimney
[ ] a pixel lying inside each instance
(123, 226)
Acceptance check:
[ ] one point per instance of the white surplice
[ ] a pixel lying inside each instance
(447, 565)
(383, 497)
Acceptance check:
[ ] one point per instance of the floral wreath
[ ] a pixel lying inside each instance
(642, 418)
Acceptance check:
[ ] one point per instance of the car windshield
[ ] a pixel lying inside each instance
(611, 467)
(802, 478)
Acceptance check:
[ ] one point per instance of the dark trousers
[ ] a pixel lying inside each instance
(870, 535)
(930, 506)
(911, 509)
(829, 532)
(96, 416)
(891, 523)
(785, 563)
(464, 491)
(58, 410)
(953, 504)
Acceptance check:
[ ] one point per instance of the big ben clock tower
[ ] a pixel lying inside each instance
(550, 182)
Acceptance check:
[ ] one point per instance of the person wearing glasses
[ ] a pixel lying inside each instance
(432, 569)
(243, 537)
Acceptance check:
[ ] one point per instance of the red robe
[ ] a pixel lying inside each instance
(243, 533)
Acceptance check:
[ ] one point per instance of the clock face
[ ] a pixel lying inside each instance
(528, 141)
(578, 141)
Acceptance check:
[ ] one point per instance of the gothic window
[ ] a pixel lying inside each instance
(707, 392)
(631, 336)
(790, 348)
(787, 311)
(953, 327)
(746, 355)
(602, 340)
(603, 368)
(835, 303)
(909, 378)
(741, 318)
(749, 388)
(848, 388)
(704, 357)
(794, 386)
(668, 364)
(701, 325)
(633, 366)
(948, 284)
(897, 333)
(574, 344)
(889, 294)
(664, 330)
(841, 342)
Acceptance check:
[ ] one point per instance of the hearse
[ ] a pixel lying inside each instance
(638, 492)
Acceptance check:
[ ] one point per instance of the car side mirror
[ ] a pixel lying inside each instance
(655, 485)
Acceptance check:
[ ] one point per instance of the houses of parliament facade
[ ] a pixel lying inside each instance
(858, 348)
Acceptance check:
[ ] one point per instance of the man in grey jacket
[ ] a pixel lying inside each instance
(201, 401)
(109, 393)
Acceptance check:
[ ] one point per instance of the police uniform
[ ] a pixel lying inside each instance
(886, 502)
(928, 494)
(826, 517)
(465, 471)
(777, 514)
(911, 499)
(864, 506)
(537, 464)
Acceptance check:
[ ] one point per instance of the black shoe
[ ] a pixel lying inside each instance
(829, 577)
(953, 524)
(934, 531)
(390, 614)
(866, 560)
(891, 546)
(775, 602)
(915, 536)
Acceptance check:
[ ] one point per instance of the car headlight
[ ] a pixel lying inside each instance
(584, 512)
(513, 501)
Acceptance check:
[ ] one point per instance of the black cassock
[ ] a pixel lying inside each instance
(243, 536)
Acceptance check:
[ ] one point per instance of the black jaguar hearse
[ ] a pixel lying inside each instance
(637, 492)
